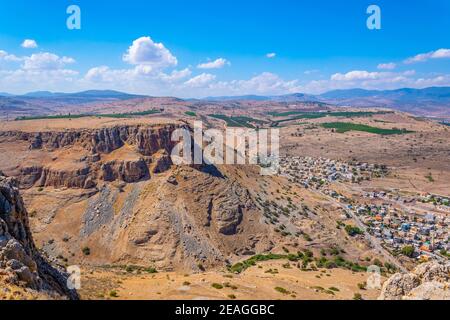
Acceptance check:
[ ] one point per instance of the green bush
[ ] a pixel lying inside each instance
(353, 231)
(86, 251)
(408, 251)
(282, 290)
(217, 286)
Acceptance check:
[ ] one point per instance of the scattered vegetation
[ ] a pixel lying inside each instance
(242, 266)
(139, 269)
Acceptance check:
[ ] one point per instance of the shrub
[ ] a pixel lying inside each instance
(113, 294)
(282, 290)
(86, 251)
(217, 286)
(151, 270)
(353, 231)
(357, 296)
(201, 267)
(408, 251)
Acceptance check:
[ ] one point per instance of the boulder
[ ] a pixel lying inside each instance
(427, 281)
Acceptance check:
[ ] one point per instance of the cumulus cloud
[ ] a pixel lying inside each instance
(271, 55)
(200, 80)
(175, 75)
(150, 70)
(387, 66)
(357, 75)
(8, 57)
(45, 61)
(29, 44)
(145, 52)
(216, 64)
(266, 83)
(438, 54)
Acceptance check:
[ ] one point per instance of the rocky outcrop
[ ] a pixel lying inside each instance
(146, 139)
(20, 262)
(126, 171)
(429, 281)
(153, 143)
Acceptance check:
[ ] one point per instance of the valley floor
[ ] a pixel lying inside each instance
(253, 284)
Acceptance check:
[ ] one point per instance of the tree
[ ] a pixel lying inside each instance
(353, 231)
(408, 251)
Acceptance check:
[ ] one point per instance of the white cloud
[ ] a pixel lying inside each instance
(438, 54)
(175, 75)
(308, 72)
(145, 52)
(387, 66)
(356, 75)
(29, 44)
(200, 80)
(271, 55)
(8, 57)
(45, 61)
(216, 64)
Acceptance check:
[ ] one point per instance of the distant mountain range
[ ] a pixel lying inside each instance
(420, 101)
(90, 95)
(433, 101)
(406, 94)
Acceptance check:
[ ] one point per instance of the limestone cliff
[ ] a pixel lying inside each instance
(100, 156)
(20, 262)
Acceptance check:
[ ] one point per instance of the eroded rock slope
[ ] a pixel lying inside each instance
(20, 262)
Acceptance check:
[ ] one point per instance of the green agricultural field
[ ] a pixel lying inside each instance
(78, 116)
(299, 115)
(342, 127)
(238, 122)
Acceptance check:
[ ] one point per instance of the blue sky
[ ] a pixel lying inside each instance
(201, 48)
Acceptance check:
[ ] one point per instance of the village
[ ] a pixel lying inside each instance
(416, 226)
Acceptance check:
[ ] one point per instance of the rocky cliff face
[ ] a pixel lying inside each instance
(147, 139)
(147, 142)
(20, 262)
(429, 281)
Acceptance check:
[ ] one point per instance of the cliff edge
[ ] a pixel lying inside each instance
(22, 267)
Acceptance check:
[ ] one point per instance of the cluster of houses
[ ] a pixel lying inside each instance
(394, 225)
(316, 172)
(427, 232)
